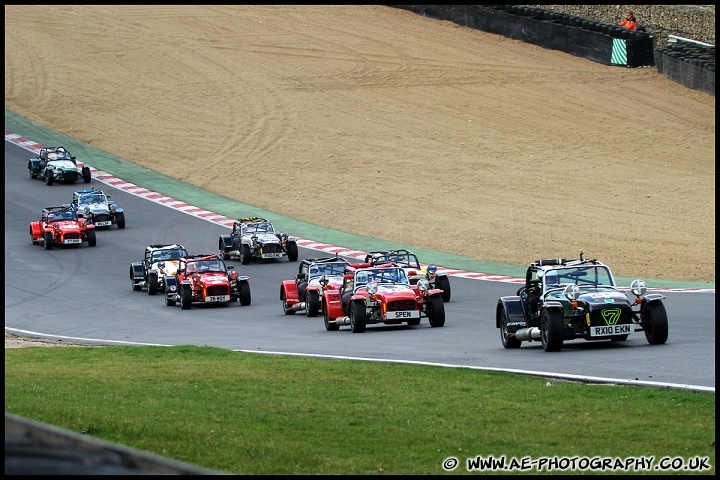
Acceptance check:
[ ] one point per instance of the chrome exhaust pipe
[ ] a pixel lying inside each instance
(341, 321)
(297, 307)
(528, 334)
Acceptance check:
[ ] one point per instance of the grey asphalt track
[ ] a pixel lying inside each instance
(85, 292)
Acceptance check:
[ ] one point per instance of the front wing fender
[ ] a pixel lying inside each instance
(515, 313)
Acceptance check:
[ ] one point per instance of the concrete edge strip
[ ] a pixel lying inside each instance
(218, 219)
(560, 376)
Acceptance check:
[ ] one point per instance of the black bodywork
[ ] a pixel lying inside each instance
(565, 300)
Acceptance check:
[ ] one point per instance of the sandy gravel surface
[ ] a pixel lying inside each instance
(377, 121)
(12, 341)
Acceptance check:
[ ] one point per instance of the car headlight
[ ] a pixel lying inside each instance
(572, 292)
(372, 288)
(423, 285)
(173, 288)
(638, 288)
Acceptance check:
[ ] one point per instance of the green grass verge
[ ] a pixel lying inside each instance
(244, 413)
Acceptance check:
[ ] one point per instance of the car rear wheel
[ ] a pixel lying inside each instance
(312, 303)
(135, 286)
(655, 323)
(286, 308)
(244, 293)
(358, 316)
(551, 330)
(507, 340)
(435, 311)
(330, 327)
(221, 247)
(443, 283)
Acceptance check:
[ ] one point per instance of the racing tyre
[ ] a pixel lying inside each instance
(121, 220)
(169, 302)
(245, 254)
(551, 330)
(152, 284)
(358, 316)
(312, 303)
(32, 175)
(286, 308)
(48, 241)
(186, 297)
(330, 327)
(244, 293)
(292, 249)
(221, 248)
(435, 310)
(655, 323)
(135, 286)
(49, 178)
(443, 283)
(507, 340)
(86, 174)
(91, 237)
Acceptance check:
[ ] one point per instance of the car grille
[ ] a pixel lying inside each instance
(401, 305)
(597, 319)
(217, 290)
(272, 248)
(102, 217)
(71, 235)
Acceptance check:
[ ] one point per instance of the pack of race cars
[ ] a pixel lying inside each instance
(561, 300)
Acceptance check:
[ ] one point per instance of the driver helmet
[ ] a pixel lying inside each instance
(551, 278)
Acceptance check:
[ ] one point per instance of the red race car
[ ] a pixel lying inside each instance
(61, 226)
(305, 292)
(381, 294)
(205, 279)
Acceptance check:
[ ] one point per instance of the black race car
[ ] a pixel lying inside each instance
(577, 299)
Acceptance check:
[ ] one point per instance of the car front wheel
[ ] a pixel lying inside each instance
(186, 297)
(48, 240)
(245, 254)
(312, 303)
(435, 310)
(358, 316)
(551, 330)
(655, 323)
(244, 289)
